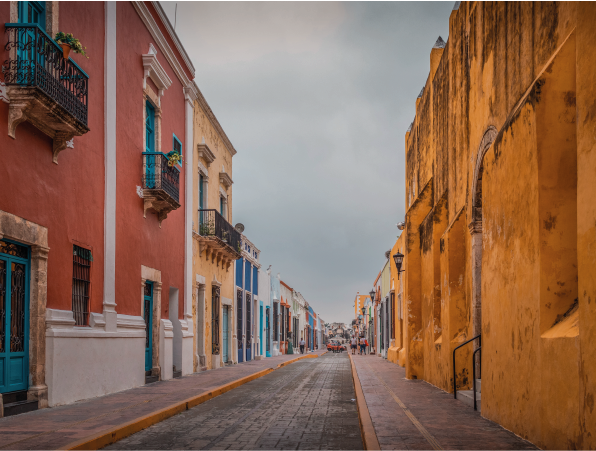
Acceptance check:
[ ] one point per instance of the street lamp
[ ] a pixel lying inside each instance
(372, 295)
(398, 258)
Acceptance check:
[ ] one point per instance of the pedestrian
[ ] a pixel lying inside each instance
(366, 345)
(362, 345)
(302, 344)
(354, 343)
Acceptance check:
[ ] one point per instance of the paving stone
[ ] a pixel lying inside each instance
(290, 408)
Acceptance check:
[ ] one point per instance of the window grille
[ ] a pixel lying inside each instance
(275, 322)
(239, 317)
(81, 281)
(248, 320)
(268, 330)
(215, 320)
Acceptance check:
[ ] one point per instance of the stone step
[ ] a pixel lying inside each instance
(18, 407)
(150, 379)
(467, 397)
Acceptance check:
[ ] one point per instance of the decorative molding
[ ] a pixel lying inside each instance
(130, 322)
(155, 71)
(205, 153)
(485, 144)
(226, 301)
(59, 319)
(140, 192)
(161, 41)
(225, 179)
(3, 93)
(203, 170)
(223, 193)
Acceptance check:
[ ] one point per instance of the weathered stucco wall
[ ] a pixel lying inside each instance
(501, 223)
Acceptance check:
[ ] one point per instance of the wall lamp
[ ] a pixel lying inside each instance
(399, 259)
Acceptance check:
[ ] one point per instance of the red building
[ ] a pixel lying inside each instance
(95, 229)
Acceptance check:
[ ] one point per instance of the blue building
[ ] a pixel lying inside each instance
(248, 311)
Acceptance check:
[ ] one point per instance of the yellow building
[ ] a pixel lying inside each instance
(216, 244)
(396, 352)
(500, 237)
(359, 302)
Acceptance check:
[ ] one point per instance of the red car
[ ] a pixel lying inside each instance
(335, 347)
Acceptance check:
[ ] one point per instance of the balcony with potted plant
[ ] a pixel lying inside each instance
(44, 86)
(161, 183)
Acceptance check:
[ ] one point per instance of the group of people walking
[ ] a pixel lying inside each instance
(362, 342)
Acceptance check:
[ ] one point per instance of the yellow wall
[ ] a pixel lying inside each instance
(206, 131)
(501, 222)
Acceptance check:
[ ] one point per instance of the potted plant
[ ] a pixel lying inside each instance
(174, 158)
(68, 42)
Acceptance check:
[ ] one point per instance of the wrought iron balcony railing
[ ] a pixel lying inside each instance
(35, 60)
(212, 223)
(159, 175)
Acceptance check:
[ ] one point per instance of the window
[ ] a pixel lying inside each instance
(275, 322)
(215, 320)
(33, 12)
(81, 279)
(201, 191)
(149, 128)
(177, 147)
(392, 315)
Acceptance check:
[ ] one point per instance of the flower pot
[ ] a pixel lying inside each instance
(65, 50)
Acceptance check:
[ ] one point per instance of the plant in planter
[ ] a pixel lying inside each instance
(174, 158)
(68, 42)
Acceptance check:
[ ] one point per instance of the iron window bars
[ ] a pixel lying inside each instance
(157, 174)
(212, 223)
(215, 320)
(239, 319)
(275, 322)
(36, 60)
(81, 280)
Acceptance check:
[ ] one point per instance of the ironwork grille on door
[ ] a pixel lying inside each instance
(248, 320)
(81, 280)
(17, 308)
(215, 320)
(275, 322)
(239, 319)
(267, 330)
(148, 312)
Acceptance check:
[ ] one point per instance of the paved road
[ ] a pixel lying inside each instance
(306, 405)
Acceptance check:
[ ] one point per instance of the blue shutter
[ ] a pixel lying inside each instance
(239, 267)
(201, 181)
(255, 281)
(247, 272)
(33, 12)
(177, 147)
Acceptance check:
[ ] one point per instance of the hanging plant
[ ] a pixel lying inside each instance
(174, 158)
(68, 42)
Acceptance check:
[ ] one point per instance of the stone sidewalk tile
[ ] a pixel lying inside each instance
(56, 427)
(454, 425)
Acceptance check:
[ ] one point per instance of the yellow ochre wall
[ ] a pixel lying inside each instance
(500, 234)
(207, 130)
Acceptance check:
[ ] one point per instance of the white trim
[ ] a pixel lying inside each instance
(226, 301)
(223, 193)
(174, 36)
(109, 289)
(155, 71)
(203, 169)
(163, 45)
(61, 323)
(188, 204)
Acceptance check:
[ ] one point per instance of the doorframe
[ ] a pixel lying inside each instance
(154, 276)
(35, 236)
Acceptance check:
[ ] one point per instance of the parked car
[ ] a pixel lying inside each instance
(335, 346)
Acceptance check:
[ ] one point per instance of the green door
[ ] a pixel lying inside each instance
(148, 312)
(14, 317)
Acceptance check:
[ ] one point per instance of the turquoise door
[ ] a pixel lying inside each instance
(148, 312)
(14, 317)
(225, 334)
(261, 329)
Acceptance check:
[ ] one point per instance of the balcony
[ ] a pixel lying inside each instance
(44, 88)
(217, 238)
(161, 185)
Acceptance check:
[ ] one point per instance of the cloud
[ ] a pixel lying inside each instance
(316, 98)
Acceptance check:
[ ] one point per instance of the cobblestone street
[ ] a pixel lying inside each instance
(306, 405)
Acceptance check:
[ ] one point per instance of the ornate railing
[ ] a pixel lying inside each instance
(212, 223)
(36, 60)
(158, 174)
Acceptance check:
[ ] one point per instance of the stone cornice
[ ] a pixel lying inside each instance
(155, 71)
(205, 153)
(225, 179)
(161, 41)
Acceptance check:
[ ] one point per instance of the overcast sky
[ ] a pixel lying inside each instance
(316, 98)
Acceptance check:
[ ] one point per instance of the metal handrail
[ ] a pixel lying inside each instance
(159, 175)
(474, 372)
(36, 60)
(212, 223)
(463, 344)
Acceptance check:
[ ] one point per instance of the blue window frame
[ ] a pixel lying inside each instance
(221, 206)
(247, 272)
(149, 128)
(239, 269)
(33, 12)
(255, 280)
(177, 147)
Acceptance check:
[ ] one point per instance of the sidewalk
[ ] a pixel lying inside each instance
(412, 414)
(58, 427)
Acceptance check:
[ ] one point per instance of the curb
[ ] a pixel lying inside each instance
(369, 435)
(112, 435)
